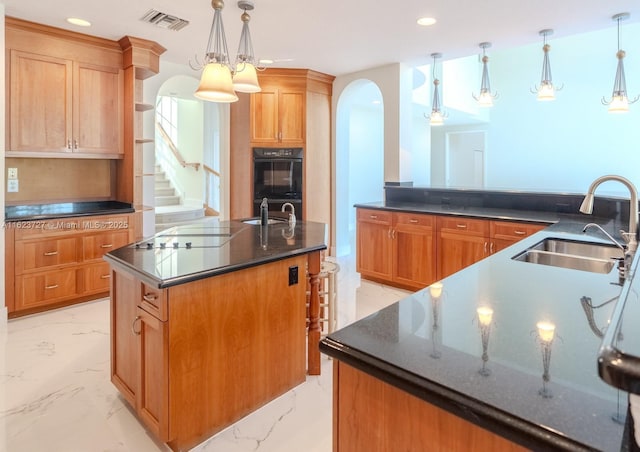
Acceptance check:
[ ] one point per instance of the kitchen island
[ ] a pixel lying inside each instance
(465, 366)
(209, 323)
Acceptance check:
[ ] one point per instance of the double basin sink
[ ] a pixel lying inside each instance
(574, 254)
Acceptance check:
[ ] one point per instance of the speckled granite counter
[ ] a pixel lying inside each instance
(64, 209)
(187, 253)
(432, 348)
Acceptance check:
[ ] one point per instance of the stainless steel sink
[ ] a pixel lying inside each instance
(269, 221)
(577, 255)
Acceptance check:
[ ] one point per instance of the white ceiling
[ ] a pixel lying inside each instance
(337, 37)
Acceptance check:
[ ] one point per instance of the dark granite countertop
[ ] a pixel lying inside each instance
(187, 253)
(432, 348)
(64, 210)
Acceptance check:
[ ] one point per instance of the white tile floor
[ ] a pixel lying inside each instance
(56, 394)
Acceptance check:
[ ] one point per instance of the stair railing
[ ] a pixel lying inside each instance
(212, 190)
(174, 150)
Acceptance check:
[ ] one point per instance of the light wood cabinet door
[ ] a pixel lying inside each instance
(96, 245)
(277, 117)
(40, 103)
(152, 398)
(457, 251)
(44, 288)
(414, 250)
(374, 245)
(97, 108)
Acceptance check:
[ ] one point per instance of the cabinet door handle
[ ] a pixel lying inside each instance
(413, 220)
(105, 276)
(149, 297)
(485, 247)
(519, 232)
(107, 245)
(389, 233)
(75, 144)
(133, 326)
(491, 248)
(52, 286)
(461, 226)
(393, 233)
(50, 253)
(68, 144)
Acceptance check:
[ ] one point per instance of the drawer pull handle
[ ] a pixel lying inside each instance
(105, 276)
(133, 326)
(107, 245)
(519, 232)
(149, 297)
(50, 253)
(461, 226)
(52, 286)
(413, 220)
(373, 217)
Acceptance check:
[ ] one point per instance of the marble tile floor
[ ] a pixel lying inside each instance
(56, 394)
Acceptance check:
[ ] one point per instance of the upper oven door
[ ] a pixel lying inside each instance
(277, 178)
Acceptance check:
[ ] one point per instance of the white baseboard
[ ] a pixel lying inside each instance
(4, 316)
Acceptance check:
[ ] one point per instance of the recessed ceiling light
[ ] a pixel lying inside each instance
(426, 21)
(78, 22)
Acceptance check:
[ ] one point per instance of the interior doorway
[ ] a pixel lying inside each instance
(465, 157)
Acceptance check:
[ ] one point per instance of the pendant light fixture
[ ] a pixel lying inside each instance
(437, 116)
(485, 98)
(220, 80)
(245, 78)
(546, 91)
(619, 102)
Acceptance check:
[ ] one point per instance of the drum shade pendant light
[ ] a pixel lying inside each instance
(546, 91)
(219, 79)
(619, 102)
(437, 116)
(485, 98)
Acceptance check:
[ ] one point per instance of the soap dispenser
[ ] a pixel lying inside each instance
(264, 212)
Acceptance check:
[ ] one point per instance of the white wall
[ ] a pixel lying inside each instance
(3, 308)
(565, 144)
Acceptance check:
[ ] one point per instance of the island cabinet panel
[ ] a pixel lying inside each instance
(230, 343)
(372, 416)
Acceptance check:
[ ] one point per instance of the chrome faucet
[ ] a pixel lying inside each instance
(292, 214)
(587, 207)
(597, 226)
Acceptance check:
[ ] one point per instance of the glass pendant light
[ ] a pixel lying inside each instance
(619, 102)
(485, 98)
(546, 91)
(245, 78)
(437, 116)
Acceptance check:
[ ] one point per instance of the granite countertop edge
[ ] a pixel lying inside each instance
(77, 209)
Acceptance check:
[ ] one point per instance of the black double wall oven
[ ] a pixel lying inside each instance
(277, 176)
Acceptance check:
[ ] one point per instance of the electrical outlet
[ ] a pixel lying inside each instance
(12, 173)
(293, 275)
(12, 185)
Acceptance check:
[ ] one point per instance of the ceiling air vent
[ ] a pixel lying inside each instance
(163, 20)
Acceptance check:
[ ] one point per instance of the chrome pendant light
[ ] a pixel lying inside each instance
(619, 102)
(437, 115)
(485, 98)
(546, 91)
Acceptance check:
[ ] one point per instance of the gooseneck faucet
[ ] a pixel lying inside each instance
(587, 207)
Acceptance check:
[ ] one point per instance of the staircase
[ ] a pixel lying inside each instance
(168, 205)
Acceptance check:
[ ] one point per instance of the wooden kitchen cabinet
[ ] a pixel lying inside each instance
(52, 263)
(65, 96)
(396, 247)
(277, 114)
(461, 242)
(412, 250)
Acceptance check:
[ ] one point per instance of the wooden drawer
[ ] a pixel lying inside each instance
(97, 278)
(414, 219)
(47, 253)
(154, 301)
(513, 230)
(460, 225)
(44, 228)
(96, 245)
(375, 216)
(40, 289)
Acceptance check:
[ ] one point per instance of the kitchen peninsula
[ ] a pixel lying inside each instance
(467, 364)
(209, 322)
